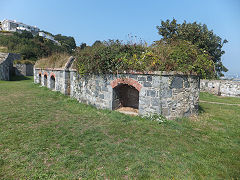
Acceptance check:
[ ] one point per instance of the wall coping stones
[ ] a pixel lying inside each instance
(160, 73)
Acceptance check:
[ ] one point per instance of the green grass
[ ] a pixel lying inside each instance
(213, 98)
(46, 135)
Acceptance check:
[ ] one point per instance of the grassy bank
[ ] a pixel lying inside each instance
(44, 134)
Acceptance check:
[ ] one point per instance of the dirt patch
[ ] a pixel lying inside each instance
(128, 110)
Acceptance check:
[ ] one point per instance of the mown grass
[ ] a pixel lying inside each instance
(46, 135)
(213, 98)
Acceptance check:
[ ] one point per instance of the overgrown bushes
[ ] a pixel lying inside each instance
(115, 57)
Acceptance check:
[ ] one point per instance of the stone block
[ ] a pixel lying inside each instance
(147, 84)
(149, 78)
(155, 102)
(166, 93)
(177, 82)
(141, 79)
(101, 96)
(104, 88)
(186, 83)
(151, 93)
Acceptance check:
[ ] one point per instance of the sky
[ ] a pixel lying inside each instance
(88, 21)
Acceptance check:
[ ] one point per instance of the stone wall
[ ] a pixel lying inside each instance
(168, 94)
(23, 69)
(221, 87)
(60, 76)
(6, 65)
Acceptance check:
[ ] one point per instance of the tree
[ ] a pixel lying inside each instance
(83, 45)
(97, 42)
(198, 35)
(67, 41)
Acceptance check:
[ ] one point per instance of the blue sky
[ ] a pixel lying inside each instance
(88, 21)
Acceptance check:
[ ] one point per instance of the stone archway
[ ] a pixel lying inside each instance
(125, 95)
(52, 82)
(45, 80)
(40, 78)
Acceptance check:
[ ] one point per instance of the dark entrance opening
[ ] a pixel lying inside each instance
(125, 95)
(40, 79)
(52, 82)
(45, 80)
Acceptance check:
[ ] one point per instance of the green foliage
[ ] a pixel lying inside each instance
(181, 55)
(108, 57)
(32, 47)
(67, 42)
(114, 56)
(198, 35)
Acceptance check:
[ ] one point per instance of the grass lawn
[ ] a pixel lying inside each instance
(46, 135)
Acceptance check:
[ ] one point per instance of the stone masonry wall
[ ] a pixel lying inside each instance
(221, 87)
(6, 65)
(23, 69)
(61, 79)
(168, 94)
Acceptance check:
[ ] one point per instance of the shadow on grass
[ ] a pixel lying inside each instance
(200, 110)
(19, 78)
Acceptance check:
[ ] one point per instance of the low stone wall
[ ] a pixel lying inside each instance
(23, 69)
(55, 79)
(169, 94)
(221, 87)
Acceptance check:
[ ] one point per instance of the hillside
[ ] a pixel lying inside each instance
(35, 47)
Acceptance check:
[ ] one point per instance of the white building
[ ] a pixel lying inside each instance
(14, 26)
(47, 36)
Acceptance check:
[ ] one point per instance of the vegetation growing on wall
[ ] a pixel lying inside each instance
(115, 56)
(35, 47)
(24, 62)
(57, 60)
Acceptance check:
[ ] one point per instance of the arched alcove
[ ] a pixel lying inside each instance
(40, 78)
(125, 95)
(45, 80)
(52, 82)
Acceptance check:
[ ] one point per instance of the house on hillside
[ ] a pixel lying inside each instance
(48, 36)
(14, 26)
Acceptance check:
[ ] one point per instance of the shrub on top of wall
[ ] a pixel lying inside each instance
(57, 60)
(115, 57)
(24, 62)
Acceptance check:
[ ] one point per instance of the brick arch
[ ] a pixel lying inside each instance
(40, 73)
(128, 81)
(52, 74)
(45, 73)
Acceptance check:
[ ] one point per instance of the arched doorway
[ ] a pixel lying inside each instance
(45, 80)
(125, 95)
(40, 78)
(52, 82)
